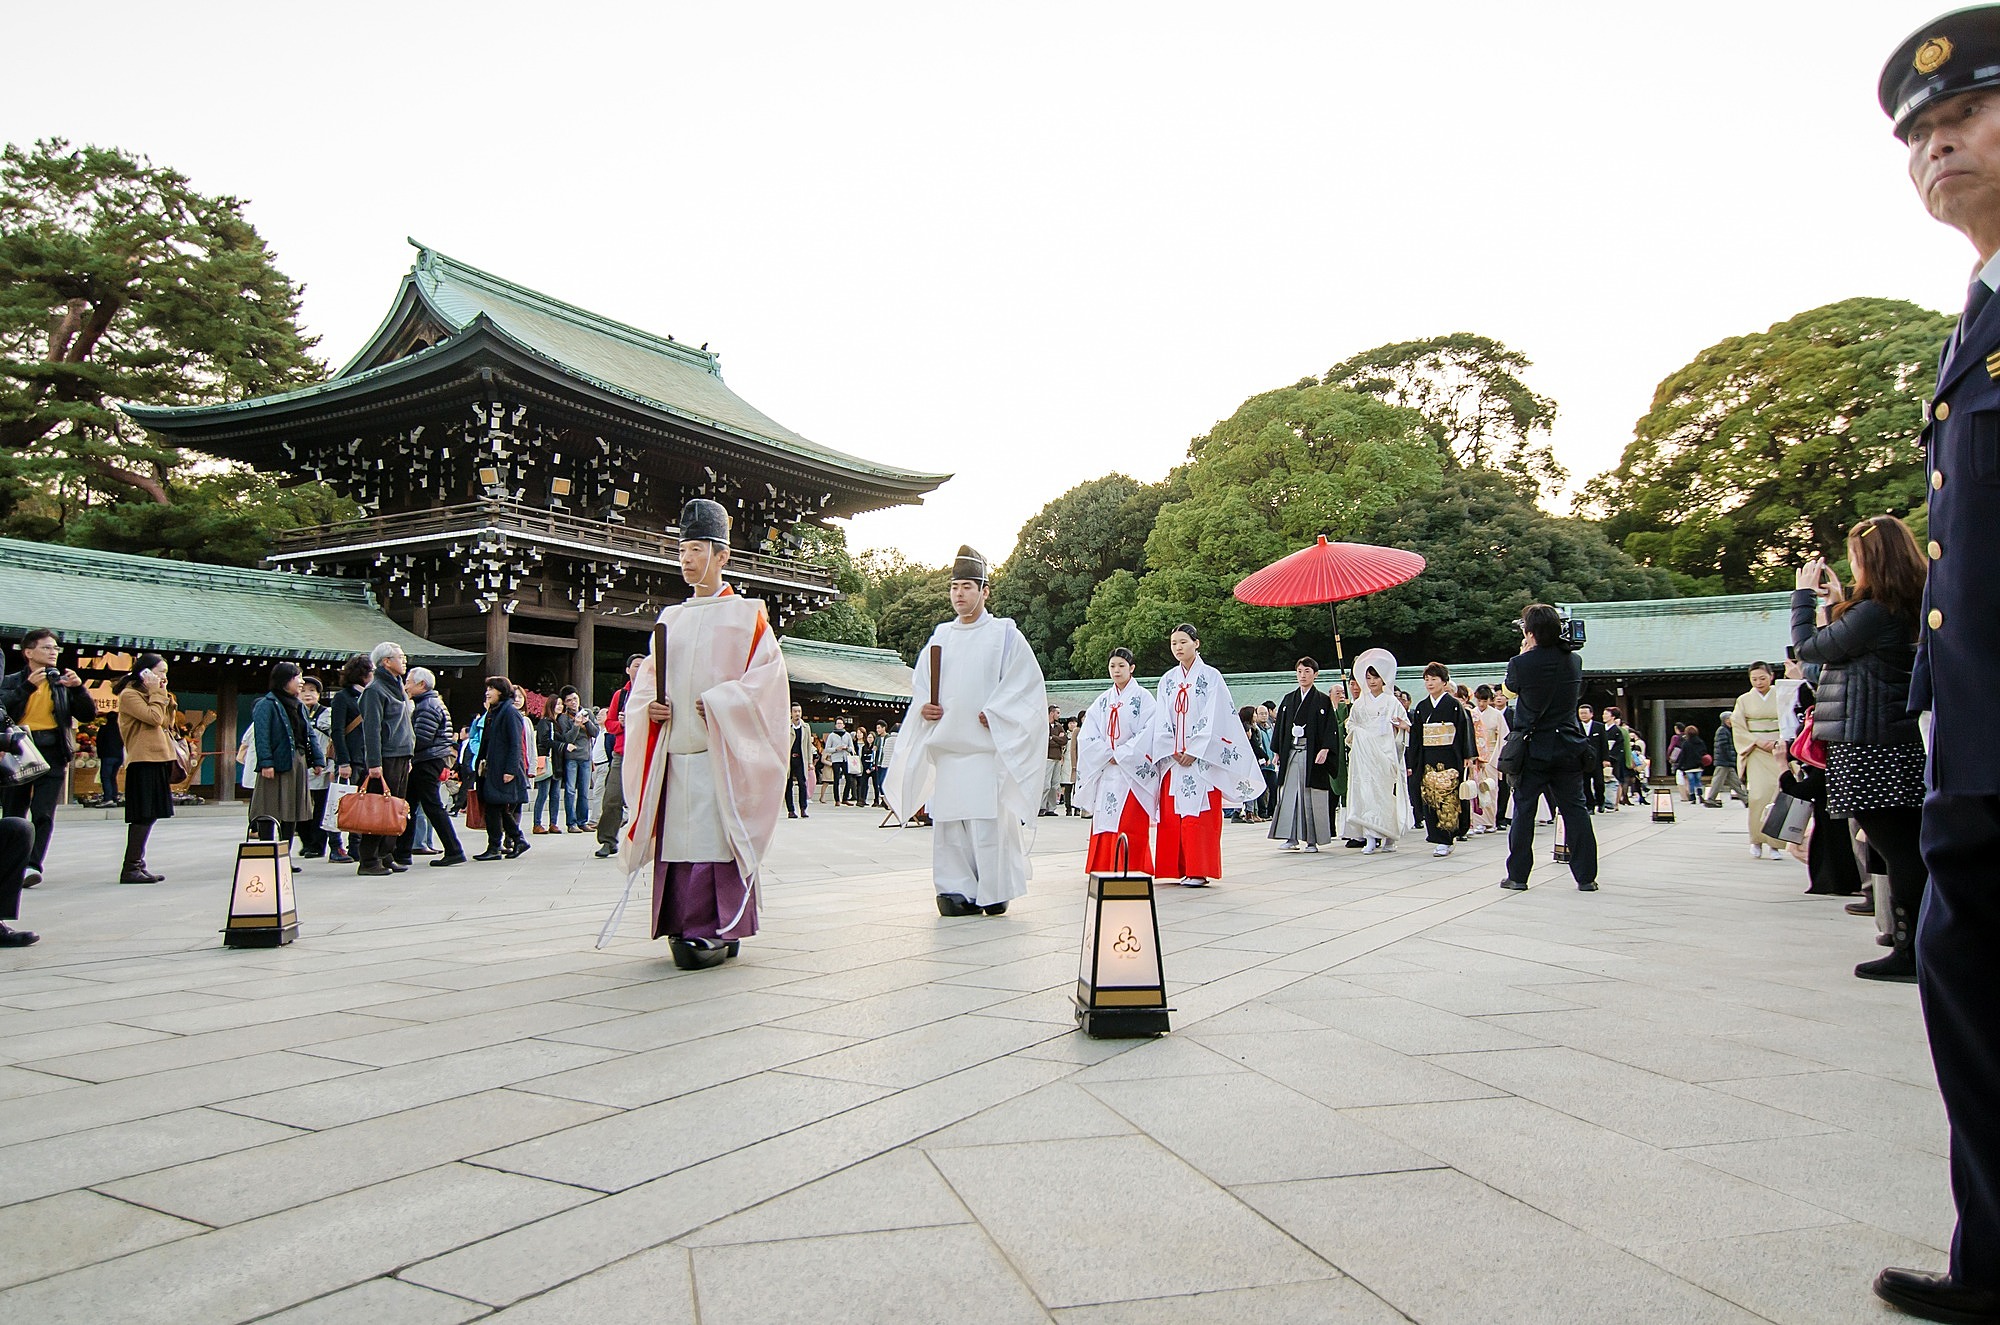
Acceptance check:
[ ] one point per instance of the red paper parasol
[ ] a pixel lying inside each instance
(1329, 573)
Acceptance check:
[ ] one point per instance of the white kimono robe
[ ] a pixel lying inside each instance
(1195, 715)
(981, 784)
(708, 787)
(1103, 785)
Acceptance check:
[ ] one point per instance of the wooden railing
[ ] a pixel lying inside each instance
(518, 520)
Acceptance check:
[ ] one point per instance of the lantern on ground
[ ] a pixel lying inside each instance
(262, 910)
(1562, 840)
(1121, 990)
(1663, 805)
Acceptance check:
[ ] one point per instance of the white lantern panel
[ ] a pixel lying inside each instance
(1126, 955)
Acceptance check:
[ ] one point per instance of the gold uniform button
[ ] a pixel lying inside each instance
(1936, 550)
(1937, 619)
(1937, 479)
(1943, 410)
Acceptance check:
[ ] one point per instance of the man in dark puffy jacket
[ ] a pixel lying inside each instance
(1687, 760)
(1725, 781)
(435, 742)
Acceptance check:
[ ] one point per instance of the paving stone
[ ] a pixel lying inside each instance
(215, 1046)
(631, 1147)
(1811, 1276)
(233, 1188)
(630, 1080)
(1857, 1101)
(1652, 1108)
(1446, 1250)
(924, 1053)
(356, 1093)
(129, 1098)
(1062, 1212)
(679, 1024)
(1052, 1113)
(380, 1302)
(1341, 1070)
(1685, 1051)
(952, 1276)
(1586, 1176)
(1863, 1177)
(105, 1154)
(1241, 1127)
(250, 1270)
(653, 1288)
(898, 1010)
(20, 1082)
(59, 1233)
(1335, 1301)
(67, 1040)
(1403, 1025)
(408, 1043)
(899, 1189)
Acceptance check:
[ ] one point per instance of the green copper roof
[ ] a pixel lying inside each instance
(111, 600)
(846, 671)
(1684, 634)
(654, 372)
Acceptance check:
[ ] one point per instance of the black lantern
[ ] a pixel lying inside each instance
(1121, 990)
(262, 911)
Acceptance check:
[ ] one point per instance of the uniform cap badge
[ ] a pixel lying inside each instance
(1932, 55)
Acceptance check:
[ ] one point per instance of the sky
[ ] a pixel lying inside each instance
(1037, 243)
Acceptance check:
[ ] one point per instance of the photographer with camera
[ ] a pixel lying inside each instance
(49, 701)
(1547, 750)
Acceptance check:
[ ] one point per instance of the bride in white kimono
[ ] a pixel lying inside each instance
(1378, 792)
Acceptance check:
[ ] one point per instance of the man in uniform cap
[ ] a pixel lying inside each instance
(1942, 91)
(973, 752)
(705, 766)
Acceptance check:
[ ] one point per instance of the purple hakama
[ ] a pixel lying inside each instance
(693, 899)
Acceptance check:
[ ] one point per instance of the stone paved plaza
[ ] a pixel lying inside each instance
(1393, 1091)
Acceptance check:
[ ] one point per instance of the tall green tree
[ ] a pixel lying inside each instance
(1489, 551)
(1065, 551)
(1469, 391)
(1289, 465)
(1765, 449)
(913, 610)
(120, 281)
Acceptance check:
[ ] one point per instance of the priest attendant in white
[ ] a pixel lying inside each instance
(1115, 773)
(973, 750)
(1205, 760)
(705, 767)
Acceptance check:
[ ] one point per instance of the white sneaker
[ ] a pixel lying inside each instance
(1756, 851)
(1310, 850)
(1444, 850)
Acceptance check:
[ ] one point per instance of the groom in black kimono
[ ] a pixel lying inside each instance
(1308, 750)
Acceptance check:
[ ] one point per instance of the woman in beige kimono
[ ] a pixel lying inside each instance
(1489, 729)
(1759, 754)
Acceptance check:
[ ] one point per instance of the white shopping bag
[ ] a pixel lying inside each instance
(336, 792)
(246, 761)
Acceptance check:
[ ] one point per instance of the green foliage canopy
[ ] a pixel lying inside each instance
(1764, 450)
(1065, 551)
(1469, 392)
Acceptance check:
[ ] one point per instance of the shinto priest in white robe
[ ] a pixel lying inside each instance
(1117, 778)
(705, 790)
(980, 784)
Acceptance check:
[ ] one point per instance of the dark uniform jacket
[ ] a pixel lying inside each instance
(1315, 712)
(1958, 653)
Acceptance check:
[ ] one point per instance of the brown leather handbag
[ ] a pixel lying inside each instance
(373, 814)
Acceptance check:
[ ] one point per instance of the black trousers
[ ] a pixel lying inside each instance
(1957, 935)
(1896, 836)
(1593, 785)
(369, 849)
(17, 839)
(1500, 800)
(425, 799)
(36, 802)
(503, 824)
(1564, 788)
(795, 776)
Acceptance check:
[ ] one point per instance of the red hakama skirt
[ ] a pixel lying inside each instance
(1189, 848)
(1138, 831)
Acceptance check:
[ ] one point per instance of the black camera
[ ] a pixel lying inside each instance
(1572, 634)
